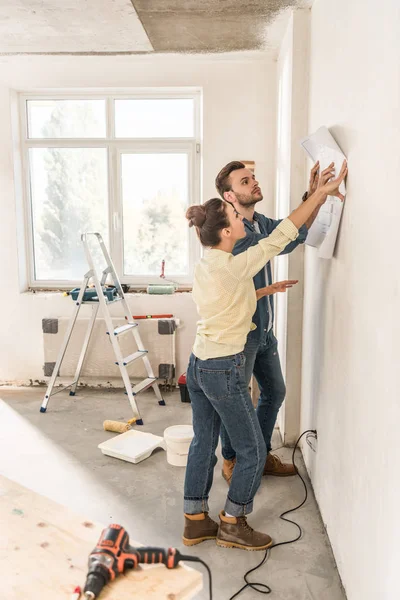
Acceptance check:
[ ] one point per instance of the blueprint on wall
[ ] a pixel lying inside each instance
(323, 232)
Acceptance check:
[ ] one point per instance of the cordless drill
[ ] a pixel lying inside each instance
(113, 555)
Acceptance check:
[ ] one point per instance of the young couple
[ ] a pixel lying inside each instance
(233, 292)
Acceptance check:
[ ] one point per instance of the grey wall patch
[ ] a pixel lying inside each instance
(50, 325)
(166, 371)
(166, 327)
(48, 368)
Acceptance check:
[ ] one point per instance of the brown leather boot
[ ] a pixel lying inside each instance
(227, 469)
(235, 532)
(199, 528)
(274, 466)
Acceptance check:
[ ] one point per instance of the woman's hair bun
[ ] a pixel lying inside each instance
(196, 215)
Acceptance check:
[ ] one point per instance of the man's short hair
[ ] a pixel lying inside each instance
(222, 182)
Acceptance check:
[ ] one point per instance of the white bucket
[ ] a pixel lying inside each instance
(177, 439)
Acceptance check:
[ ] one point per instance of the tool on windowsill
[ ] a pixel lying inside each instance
(109, 290)
(113, 555)
(169, 287)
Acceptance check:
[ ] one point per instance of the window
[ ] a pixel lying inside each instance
(126, 166)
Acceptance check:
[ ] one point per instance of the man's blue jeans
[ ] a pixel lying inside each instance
(262, 359)
(219, 394)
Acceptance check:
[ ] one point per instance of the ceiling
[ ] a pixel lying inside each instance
(142, 26)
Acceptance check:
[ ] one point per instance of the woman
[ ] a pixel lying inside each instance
(224, 292)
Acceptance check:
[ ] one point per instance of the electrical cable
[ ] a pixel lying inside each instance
(308, 437)
(263, 588)
(196, 559)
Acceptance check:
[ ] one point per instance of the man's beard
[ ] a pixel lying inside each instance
(245, 200)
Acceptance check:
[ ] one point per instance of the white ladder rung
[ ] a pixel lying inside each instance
(129, 359)
(112, 301)
(123, 328)
(95, 300)
(143, 385)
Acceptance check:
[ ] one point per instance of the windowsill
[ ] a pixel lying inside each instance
(134, 292)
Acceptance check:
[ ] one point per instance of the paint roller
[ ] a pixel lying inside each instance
(118, 426)
(163, 288)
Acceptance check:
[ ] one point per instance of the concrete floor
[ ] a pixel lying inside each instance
(56, 454)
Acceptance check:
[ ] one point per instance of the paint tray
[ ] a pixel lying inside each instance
(133, 446)
(90, 294)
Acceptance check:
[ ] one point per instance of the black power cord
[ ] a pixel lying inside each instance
(196, 559)
(263, 588)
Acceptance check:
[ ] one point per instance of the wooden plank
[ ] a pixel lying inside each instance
(44, 549)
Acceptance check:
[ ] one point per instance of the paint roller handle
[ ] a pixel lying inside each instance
(162, 275)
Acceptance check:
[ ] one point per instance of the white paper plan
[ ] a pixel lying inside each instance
(323, 232)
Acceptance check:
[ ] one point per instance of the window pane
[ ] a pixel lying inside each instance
(69, 196)
(66, 118)
(153, 118)
(155, 197)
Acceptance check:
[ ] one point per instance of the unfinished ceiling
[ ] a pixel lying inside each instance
(208, 25)
(141, 26)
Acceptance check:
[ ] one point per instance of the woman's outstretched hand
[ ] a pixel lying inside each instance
(329, 186)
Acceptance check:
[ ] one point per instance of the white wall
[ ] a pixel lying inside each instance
(239, 123)
(292, 112)
(282, 198)
(351, 351)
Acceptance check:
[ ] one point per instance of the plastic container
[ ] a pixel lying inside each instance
(90, 294)
(183, 388)
(133, 446)
(177, 441)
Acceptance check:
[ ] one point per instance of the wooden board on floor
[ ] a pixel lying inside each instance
(44, 548)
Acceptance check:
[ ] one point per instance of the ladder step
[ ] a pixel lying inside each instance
(112, 301)
(123, 328)
(143, 385)
(95, 300)
(129, 359)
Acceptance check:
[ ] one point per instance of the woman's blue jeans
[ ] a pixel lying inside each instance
(219, 394)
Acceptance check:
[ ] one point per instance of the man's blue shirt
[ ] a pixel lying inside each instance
(261, 317)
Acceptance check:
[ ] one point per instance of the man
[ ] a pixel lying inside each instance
(238, 185)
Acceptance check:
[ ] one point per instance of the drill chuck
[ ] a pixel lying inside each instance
(98, 576)
(95, 582)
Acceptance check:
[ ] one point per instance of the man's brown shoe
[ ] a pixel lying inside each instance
(274, 466)
(199, 528)
(235, 532)
(227, 469)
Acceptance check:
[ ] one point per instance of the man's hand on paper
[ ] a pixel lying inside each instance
(313, 183)
(330, 186)
(312, 187)
(279, 286)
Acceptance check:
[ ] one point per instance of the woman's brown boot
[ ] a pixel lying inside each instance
(235, 532)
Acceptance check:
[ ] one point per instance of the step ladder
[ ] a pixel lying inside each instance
(100, 299)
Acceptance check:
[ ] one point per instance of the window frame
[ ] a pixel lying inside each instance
(114, 148)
